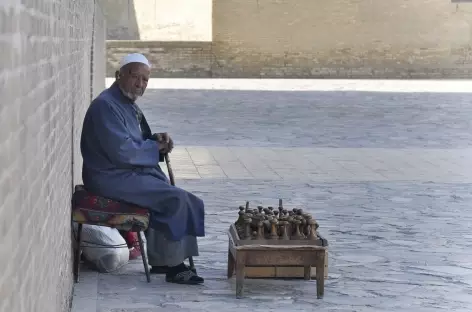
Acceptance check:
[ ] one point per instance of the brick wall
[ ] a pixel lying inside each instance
(98, 52)
(46, 85)
(342, 38)
(158, 20)
(302, 38)
(168, 59)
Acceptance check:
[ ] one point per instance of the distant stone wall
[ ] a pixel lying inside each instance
(168, 59)
(46, 81)
(299, 39)
(158, 20)
(342, 39)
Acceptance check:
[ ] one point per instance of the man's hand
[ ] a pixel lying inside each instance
(166, 145)
(163, 148)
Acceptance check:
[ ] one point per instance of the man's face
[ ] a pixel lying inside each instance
(133, 80)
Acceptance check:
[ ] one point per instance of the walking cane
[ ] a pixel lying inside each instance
(172, 182)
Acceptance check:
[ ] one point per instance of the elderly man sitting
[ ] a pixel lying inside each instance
(121, 161)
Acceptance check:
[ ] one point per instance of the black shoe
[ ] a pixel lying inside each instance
(165, 269)
(181, 274)
(192, 269)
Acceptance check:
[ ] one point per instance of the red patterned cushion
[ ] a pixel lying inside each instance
(89, 208)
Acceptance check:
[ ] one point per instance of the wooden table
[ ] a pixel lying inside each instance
(306, 253)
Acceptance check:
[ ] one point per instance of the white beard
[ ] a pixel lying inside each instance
(131, 96)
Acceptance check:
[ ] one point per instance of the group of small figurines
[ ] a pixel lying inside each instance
(269, 223)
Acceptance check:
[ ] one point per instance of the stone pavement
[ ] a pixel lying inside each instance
(385, 173)
(323, 164)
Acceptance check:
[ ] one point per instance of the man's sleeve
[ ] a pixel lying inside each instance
(114, 138)
(147, 134)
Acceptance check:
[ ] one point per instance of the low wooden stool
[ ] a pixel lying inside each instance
(265, 253)
(88, 208)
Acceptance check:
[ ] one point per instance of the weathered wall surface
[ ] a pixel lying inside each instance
(341, 38)
(168, 59)
(99, 60)
(46, 83)
(158, 20)
(303, 38)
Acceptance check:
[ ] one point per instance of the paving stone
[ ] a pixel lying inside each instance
(335, 164)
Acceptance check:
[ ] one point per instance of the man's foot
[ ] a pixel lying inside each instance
(181, 274)
(164, 269)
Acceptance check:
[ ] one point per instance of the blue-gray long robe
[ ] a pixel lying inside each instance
(122, 164)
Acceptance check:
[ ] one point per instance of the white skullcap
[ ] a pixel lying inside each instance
(134, 58)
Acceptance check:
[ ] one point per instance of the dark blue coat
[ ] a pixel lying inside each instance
(121, 163)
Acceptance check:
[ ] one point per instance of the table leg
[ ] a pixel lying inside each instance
(231, 264)
(240, 264)
(320, 265)
(307, 272)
